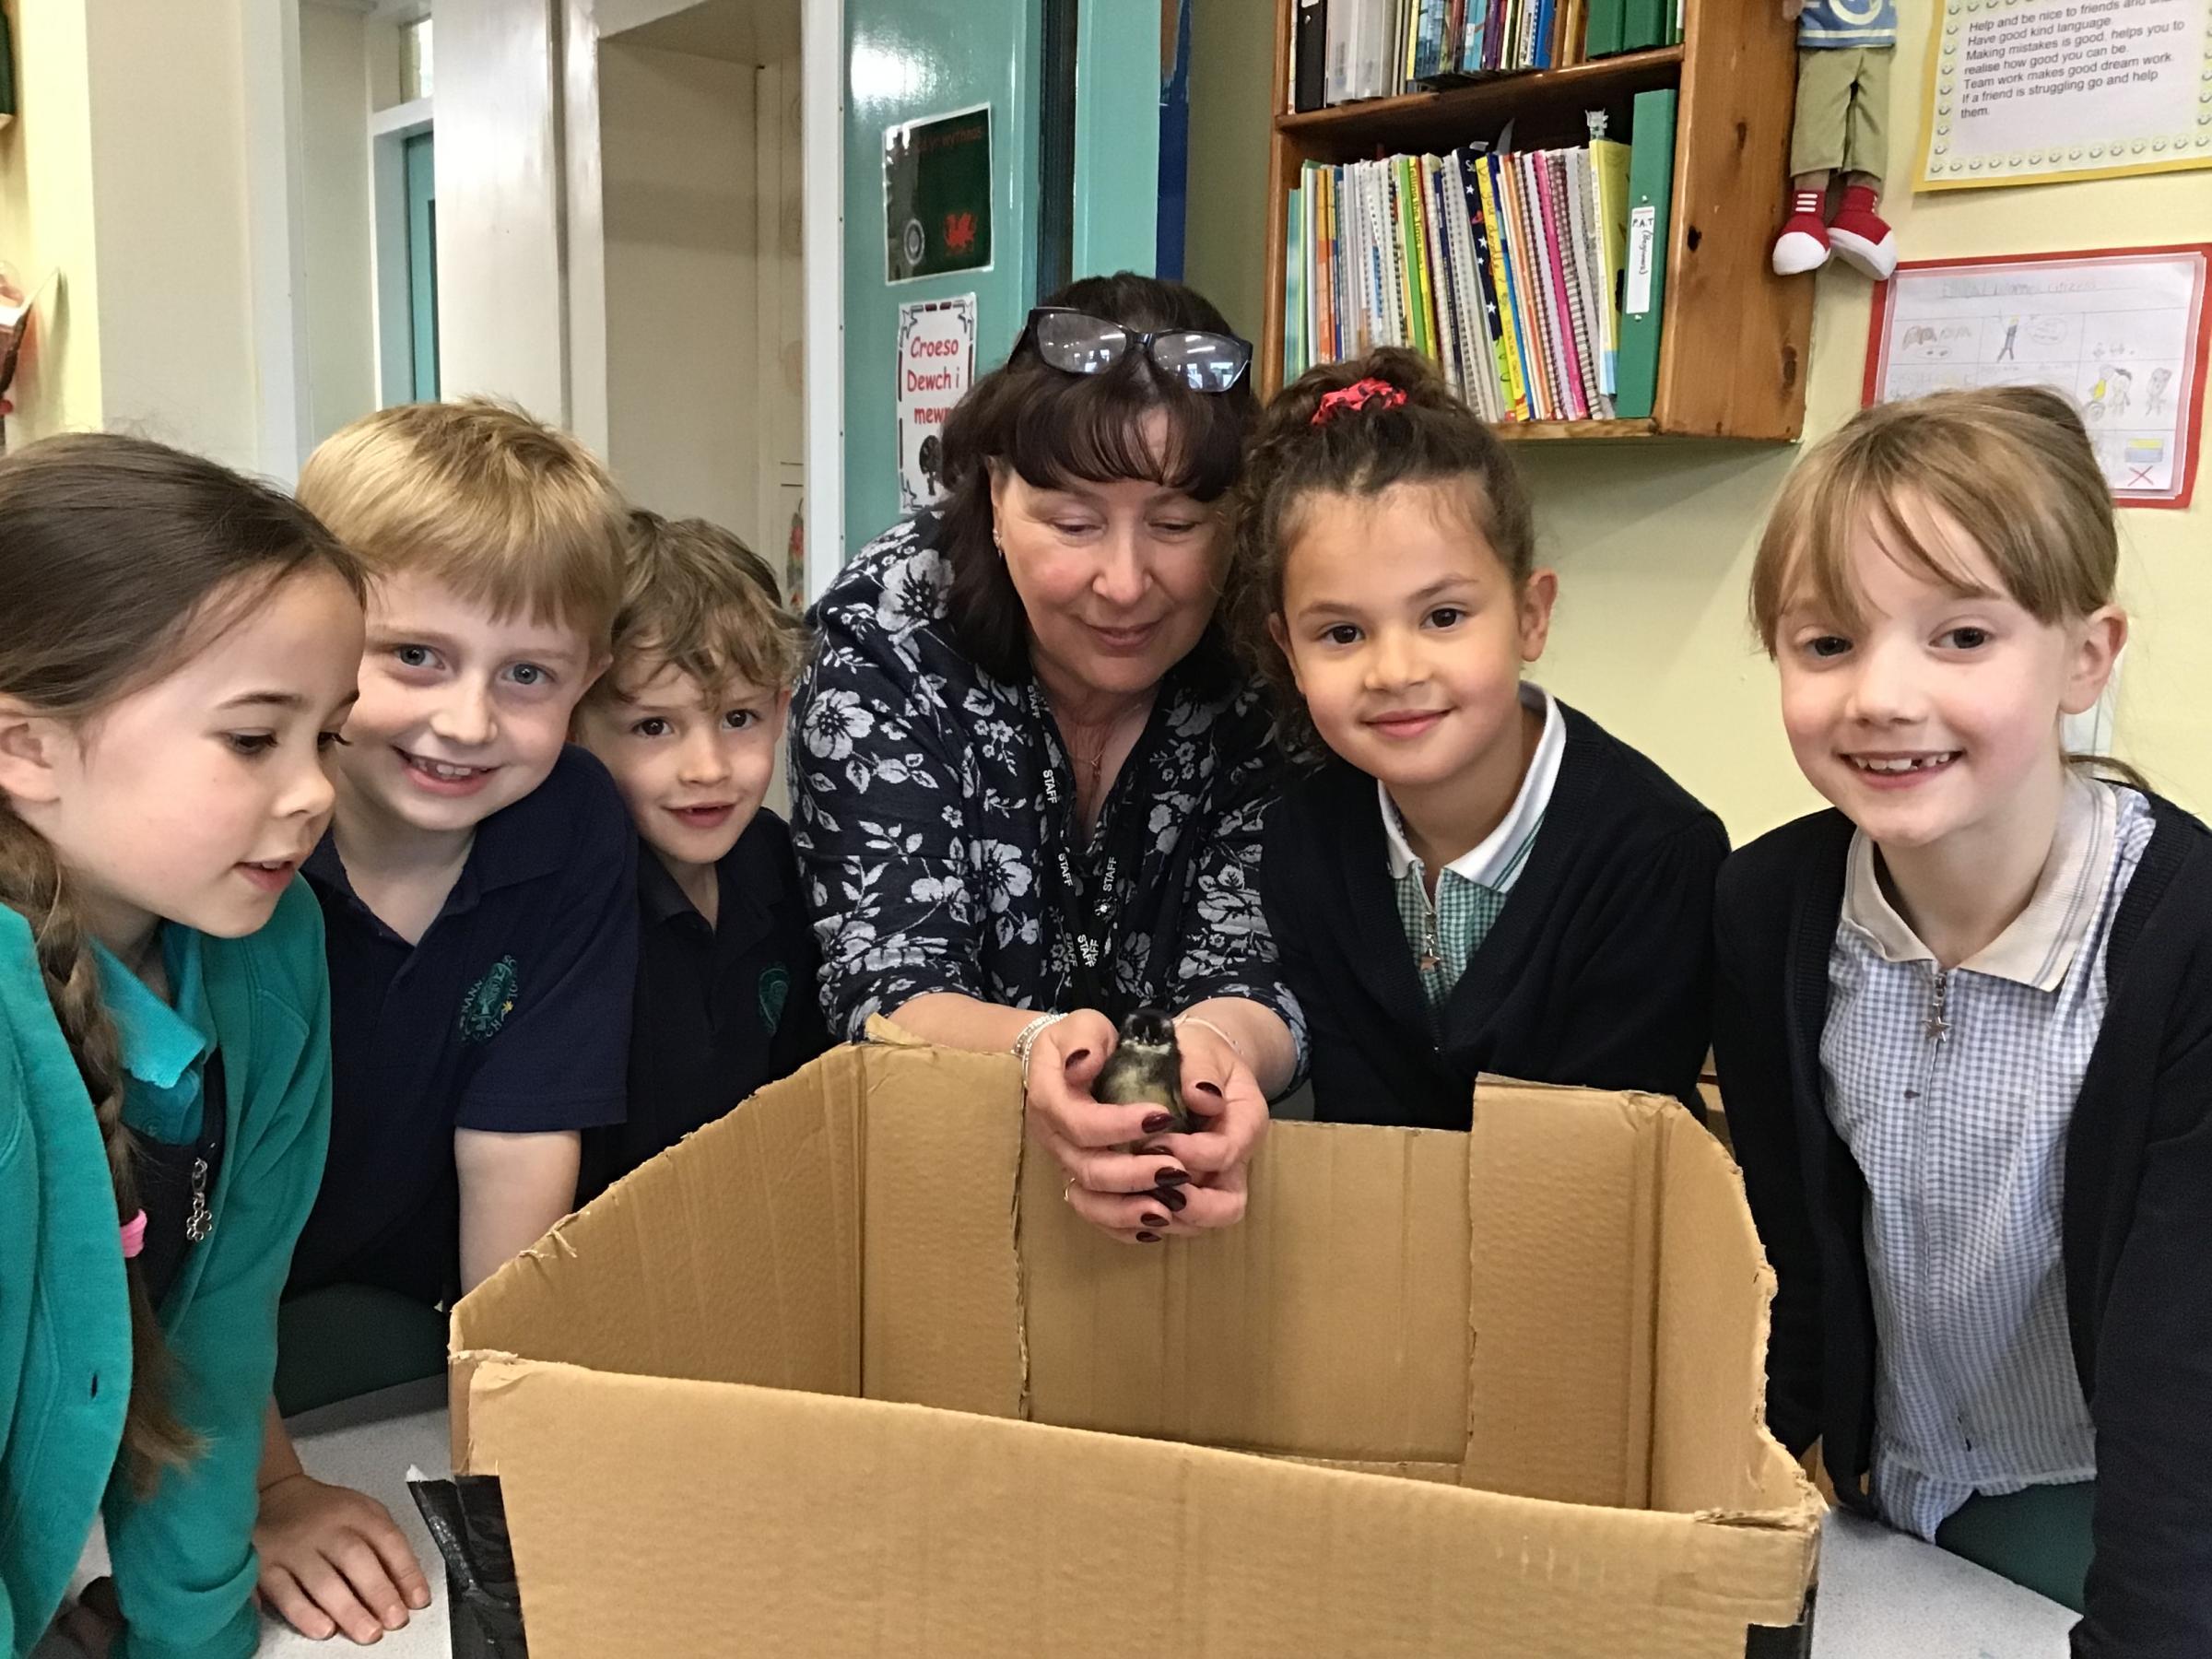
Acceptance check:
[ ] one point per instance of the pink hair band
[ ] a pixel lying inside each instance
(133, 1236)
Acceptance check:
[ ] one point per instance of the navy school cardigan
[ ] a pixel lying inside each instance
(1596, 972)
(2135, 1218)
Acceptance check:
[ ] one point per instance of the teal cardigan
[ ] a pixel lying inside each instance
(184, 1558)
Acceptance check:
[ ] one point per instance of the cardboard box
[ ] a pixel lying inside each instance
(842, 1375)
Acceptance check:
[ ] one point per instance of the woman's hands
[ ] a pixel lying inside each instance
(1125, 1174)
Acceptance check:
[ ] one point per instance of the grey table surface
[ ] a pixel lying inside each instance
(1883, 1595)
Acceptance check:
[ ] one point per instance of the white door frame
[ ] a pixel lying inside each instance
(822, 127)
(274, 184)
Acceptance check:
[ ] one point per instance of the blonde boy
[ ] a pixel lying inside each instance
(477, 890)
(688, 721)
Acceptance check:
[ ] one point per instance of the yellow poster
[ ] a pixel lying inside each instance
(2032, 91)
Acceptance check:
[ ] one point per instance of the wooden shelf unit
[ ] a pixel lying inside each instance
(1735, 337)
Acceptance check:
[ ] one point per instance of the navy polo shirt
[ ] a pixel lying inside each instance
(721, 1011)
(511, 1014)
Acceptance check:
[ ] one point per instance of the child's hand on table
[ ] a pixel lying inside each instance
(333, 1560)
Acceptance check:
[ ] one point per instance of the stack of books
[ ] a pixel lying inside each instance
(1533, 278)
(1343, 51)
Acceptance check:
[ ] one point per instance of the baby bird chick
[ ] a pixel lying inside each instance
(1146, 1068)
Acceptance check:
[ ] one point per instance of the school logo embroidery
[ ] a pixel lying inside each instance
(775, 991)
(486, 1003)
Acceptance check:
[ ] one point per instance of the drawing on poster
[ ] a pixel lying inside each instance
(2026, 91)
(2120, 336)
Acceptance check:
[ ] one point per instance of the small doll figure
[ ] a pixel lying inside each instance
(1844, 48)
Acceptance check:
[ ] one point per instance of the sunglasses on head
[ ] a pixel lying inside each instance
(1077, 343)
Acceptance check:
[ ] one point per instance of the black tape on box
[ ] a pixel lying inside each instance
(467, 1518)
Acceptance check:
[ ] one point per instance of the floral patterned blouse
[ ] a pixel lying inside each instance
(932, 814)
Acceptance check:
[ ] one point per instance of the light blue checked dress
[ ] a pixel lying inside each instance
(1472, 889)
(1954, 1092)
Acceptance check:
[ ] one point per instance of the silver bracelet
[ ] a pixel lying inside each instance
(1026, 1040)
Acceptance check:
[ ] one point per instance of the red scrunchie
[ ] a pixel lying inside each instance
(1358, 396)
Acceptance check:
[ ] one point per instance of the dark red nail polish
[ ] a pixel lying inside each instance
(1148, 1237)
(1157, 1121)
(1151, 1220)
(1170, 1178)
(1172, 1198)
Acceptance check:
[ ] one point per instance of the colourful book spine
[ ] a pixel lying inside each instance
(1528, 294)
(1520, 298)
(1439, 285)
(1573, 265)
(1477, 368)
(1399, 219)
(1402, 268)
(1536, 192)
(1332, 253)
(1582, 272)
(1609, 174)
(1538, 178)
(1427, 337)
(1294, 262)
(1315, 251)
(1651, 201)
(1479, 359)
(1512, 333)
(1489, 278)
(1380, 268)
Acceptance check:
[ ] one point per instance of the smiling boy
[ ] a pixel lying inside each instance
(476, 892)
(688, 721)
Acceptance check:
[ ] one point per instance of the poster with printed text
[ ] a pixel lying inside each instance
(2119, 334)
(936, 366)
(2031, 91)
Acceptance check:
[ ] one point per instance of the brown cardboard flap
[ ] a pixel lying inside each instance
(1331, 1322)
(1563, 1209)
(1710, 1450)
(734, 1257)
(942, 1311)
(652, 1519)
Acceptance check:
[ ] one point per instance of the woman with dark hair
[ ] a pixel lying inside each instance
(1025, 772)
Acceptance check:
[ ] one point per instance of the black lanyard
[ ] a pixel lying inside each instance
(1089, 929)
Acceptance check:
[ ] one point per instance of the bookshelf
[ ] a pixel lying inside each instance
(1735, 337)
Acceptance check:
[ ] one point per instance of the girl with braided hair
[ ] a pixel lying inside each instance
(178, 646)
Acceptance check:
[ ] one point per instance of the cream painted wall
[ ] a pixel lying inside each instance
(681, 216)
(168, 204)
(46, 227)
(341, 308)
(1654, 543)
(1232, 101)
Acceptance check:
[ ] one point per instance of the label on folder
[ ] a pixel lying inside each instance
(1643, 237)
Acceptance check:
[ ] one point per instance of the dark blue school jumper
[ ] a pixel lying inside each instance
(721, 1011)
(511, 1014)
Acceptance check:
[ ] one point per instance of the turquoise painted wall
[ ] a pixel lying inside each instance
(1117, 137)
(906, 60)
(910, 59)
